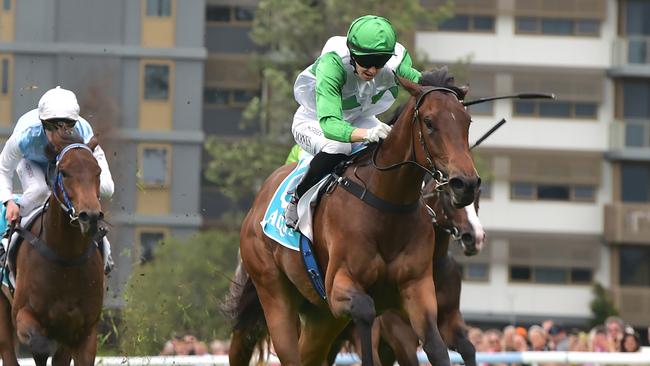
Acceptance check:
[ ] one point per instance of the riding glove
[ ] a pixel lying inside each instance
(378, 132)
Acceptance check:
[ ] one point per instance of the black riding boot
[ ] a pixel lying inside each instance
(320, 165)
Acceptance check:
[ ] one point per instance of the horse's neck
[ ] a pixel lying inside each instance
(402, 184)
(59, 234)
(442, 244)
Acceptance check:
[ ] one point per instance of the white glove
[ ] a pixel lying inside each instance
(378, 132)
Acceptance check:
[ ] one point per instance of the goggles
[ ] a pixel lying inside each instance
(377, 60)
(56, 123)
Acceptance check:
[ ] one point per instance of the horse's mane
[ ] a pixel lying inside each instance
(440, 77)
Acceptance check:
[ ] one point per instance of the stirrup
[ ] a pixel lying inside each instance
(291, 212)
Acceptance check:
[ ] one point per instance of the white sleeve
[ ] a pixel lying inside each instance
(9, 159)
(106, 185)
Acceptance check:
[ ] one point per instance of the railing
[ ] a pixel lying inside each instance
(631, 50)
(630, 134)
(530, 358)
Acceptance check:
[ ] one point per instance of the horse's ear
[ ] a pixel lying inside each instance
(413, 88)
(464, 90)
(92, 144)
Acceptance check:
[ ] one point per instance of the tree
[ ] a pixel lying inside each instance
(180, 290)
(601, 306)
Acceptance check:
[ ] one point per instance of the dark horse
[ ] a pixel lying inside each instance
(372, 258)
(59, 277)
(393, 338)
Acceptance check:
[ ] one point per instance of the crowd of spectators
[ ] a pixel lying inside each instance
(187, 344)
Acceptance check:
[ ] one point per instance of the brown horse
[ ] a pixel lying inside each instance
(393, 338)
(365, 250)
(59, 276)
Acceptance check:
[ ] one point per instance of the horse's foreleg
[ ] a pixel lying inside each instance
(459, 341)
(61, 357)
(419, 301)
(31, 333)
(347, 298)
(7, 343)
(399, 335)
(84, 354)
(318, 334)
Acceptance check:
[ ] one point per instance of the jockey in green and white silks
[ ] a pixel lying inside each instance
(341, 93)
(24, 153)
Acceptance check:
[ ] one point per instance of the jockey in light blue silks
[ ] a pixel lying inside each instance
(24, 152)
(340, 94)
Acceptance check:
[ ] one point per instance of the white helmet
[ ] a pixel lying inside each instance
(58, 103)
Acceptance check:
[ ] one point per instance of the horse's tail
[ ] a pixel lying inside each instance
(249, 329)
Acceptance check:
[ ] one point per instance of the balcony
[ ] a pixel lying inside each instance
(629, 139)
(631, 56)
(627, 223)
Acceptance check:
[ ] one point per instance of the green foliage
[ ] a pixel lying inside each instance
(181, 290)
(601, 306)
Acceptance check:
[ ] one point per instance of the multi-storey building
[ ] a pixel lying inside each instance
(137, 69)
(550, 185)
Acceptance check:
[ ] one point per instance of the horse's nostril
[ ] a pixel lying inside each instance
(456, 184)
(467, 239)
(84, 217)
(100, 216)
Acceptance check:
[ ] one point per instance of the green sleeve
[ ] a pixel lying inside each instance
(406, 70)
(294, 154)
(330, 77)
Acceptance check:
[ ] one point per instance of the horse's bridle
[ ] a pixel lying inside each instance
(66, 204)
(438, 175)
(450, 229)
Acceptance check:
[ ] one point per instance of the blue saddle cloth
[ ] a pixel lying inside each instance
(273, 224)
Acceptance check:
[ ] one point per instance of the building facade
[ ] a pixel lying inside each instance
(137, 69)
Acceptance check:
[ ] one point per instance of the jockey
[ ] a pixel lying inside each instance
(340, 94)
(24, 152)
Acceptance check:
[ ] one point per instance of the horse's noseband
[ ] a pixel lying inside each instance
(67, 205)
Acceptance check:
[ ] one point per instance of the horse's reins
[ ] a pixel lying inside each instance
(438, 175)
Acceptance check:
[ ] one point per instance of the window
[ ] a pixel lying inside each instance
(149, 240)
(637, 13)
(485, 108)
(486, 189)
(154, 166)
(156, 82)
(230, 14)
(468, 23)
(552, 192)
(551, 275)
(222, 97)
(557, 26)
(159, 8)
(474, 271)
(4, 76)
(633, 265)
(6, 5)
(636, 94)
(556, 109)
(635, 182)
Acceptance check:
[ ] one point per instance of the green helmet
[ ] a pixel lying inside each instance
(370, 35)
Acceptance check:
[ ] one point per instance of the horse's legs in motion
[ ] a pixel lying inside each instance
(420, 303)
(85, 353)
(318, 335)
(242, 346)
(61, 357)
(31, 334)
(7, 334)
(453, 331)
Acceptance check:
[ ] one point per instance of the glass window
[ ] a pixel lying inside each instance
(587, 27)
(584, 193)
(527, 25)
(476, 271)
(156, 82)
(486, 189)
(520, 273)
(586, 110)
(483, 23)
(154, 166)
(557, 26)
(243, 14)
(633, 265)
(485, 108)
(4, 77)
(637, 51)
(581, 275)
(159, 8)
(524, 107)
(148, 243)
(217, 13)
(637, 13)
(6, 5)
(635, 182)
(635, 134)
(243, 96)
(636, 94)
(555, 109)
(522, 190)
(550, 275)
(216, 96)
(553, 192)
(457, 23)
